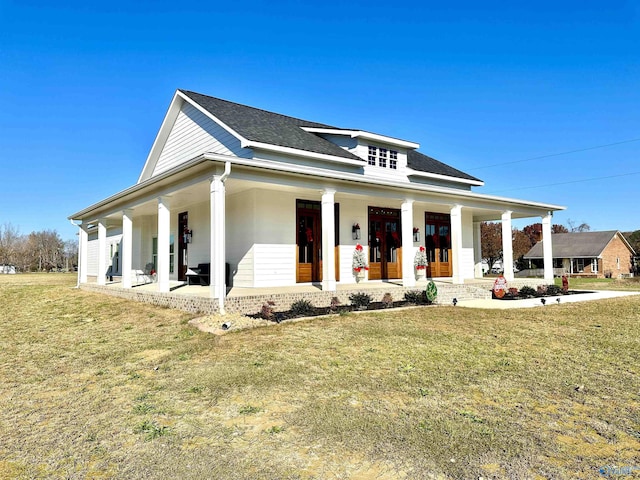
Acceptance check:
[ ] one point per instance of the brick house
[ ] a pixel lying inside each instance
(588, 254)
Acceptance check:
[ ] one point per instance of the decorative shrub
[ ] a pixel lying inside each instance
(301, 308)
(554, 290)
(542, 291)
(266, 312)
(334, 304)
(513, 292)
(360, 300)
(416, 297)
(431, 292)
(526, 292)
(387, 300)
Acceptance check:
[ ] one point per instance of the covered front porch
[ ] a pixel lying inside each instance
(284, 233)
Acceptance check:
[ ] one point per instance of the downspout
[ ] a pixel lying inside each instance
(227, 171)
(79, 252)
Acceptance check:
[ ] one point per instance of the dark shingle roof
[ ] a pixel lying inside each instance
(423, 163)
(574, 245)
(271, 128)
(267, 127)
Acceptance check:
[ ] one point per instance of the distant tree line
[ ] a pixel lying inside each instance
(38, 251)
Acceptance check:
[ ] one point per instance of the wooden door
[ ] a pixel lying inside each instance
(183, 225)
(308, 241)
(438, 244)
(385, 243)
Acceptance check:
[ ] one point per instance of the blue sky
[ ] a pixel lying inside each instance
(84, 88)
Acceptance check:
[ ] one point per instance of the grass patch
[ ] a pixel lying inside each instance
(91, 386)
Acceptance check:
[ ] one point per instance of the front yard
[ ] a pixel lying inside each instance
(94, 386)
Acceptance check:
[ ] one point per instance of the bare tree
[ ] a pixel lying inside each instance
(10, 240)
(45, 250)
(583, 227)
(70, 254)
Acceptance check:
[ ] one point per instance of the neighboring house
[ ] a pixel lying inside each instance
(591, 254)
(269, 200)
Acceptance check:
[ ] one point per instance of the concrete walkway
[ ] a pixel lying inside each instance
(536, 302)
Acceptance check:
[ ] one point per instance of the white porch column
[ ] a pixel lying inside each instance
(164, 244)
(217, 287)
(456, 244)
(328, 241)
(406, 218)
(102, 252)
(477, 249)
(83, 261)
(547, 248)
(507, 245)
(127, 247)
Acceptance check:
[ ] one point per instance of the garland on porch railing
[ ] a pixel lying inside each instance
(359, 259)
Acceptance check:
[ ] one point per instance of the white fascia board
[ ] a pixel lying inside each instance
(365, 135)
(355, 177)
(301, 153)
(161, 137)
(418, 173)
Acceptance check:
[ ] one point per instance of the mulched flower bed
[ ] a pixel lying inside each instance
(510, 296)
(340, 309)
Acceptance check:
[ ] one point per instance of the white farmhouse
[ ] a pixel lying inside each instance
(260, 199)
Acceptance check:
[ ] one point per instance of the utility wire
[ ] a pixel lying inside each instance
(569, 182)
(555, 154)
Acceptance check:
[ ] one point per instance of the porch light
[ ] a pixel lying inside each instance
(187, 236)
(416, 234)
(355, 231)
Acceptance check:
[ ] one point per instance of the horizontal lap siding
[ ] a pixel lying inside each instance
(243, 276)
(193, 134)
(274, 265)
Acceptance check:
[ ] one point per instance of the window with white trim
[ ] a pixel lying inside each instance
(393, 159)
(372, 155)
(382, 157)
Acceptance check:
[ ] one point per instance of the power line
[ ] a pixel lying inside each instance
(556, 154)
(569, 182)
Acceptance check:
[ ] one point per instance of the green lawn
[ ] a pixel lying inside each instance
(98, 387)
(629, 284)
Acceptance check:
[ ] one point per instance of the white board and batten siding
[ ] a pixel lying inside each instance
(193, 134)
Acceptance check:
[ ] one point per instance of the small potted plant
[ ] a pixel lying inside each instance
(420, 262)
(359, 262)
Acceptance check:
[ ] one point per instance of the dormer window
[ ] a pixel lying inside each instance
(382, 160)
(383, 157)
(372, 155)
(393, 159)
